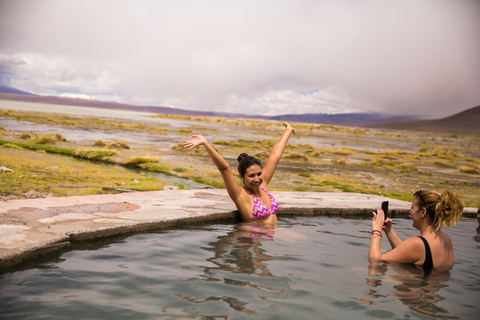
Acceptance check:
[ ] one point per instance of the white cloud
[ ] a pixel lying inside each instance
(249, 56)
(274, 102)
(77, 96)
(41, 74)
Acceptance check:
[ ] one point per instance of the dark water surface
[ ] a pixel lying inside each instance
(305, 268)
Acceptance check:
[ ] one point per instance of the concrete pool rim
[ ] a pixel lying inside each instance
(33, 227)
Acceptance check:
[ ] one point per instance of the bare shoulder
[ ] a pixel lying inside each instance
(244, 204)
(413, 242)
(440, 241)
(445, 238)
(409, 251)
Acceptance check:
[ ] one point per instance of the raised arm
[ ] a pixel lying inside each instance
(276, 153)
(374, 252)
(408, 251)
(391, 235)
(234, 190)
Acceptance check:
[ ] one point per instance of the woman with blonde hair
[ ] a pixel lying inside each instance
(433, 249)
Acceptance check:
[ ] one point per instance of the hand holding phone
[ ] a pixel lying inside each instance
(385, 210)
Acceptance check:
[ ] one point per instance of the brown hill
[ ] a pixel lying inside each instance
(466, 122)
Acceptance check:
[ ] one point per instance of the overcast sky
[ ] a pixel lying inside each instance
(265, 57)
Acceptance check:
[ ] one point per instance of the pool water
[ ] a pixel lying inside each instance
(305, 268)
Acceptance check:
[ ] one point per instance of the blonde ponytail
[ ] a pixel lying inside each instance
(448, 208)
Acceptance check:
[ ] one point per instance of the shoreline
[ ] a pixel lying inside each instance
(34, 227)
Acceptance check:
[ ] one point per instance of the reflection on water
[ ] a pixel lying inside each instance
(306, 267)
(419, 292)
(477, 237)
(240, 251)
(437, 294)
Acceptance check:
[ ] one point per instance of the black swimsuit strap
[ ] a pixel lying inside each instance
(428, 264)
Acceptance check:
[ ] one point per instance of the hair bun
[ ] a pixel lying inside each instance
(242, 156)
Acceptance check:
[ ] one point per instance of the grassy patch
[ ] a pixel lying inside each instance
(94, 154)
(407, 167)
(135, 161)
(262, 155)
(395, 173)
(68, 120)
(306, 175)
(469, 170)
(117, 144)
(100, 143)
(12, 146)
(51, 149)
(185, 131)
(42, 172)
(48, 138)
(295, 155)
(156, 168)
(215, 183)
(445, 164)
(25, 136)
(198, 150)
(343, 151)
(228, 143)
(339, 162)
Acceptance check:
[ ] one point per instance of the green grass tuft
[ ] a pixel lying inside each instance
(135, 161)
(94, 154)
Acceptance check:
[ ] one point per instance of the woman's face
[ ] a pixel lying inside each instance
(416, 211)
(253, 176)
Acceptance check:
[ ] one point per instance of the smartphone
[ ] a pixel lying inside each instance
(385, 210)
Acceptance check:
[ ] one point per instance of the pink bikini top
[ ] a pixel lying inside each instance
(260, 209)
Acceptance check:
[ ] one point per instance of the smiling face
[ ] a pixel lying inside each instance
(253, 177)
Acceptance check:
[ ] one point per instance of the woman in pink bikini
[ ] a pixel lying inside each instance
(255, 204)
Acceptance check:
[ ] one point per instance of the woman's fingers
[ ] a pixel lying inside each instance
(286, 124)
(188, 144)
(192, 143)
(378, 215)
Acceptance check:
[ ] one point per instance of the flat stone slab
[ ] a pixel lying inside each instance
(34, 226)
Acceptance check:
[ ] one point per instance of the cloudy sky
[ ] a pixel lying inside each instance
(259, 57)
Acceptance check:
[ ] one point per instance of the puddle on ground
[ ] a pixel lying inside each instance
(179, 181)
(221, 131)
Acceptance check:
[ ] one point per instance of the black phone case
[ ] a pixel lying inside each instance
(385, 210)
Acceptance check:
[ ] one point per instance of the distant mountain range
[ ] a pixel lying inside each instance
(466, 122)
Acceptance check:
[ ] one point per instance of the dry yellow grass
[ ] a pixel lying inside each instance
(357, 159)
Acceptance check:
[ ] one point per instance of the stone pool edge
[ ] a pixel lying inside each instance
(32, 227)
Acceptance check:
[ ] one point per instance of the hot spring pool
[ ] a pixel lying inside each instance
(305, 268)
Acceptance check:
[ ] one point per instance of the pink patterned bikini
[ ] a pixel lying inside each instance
(260, 209)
